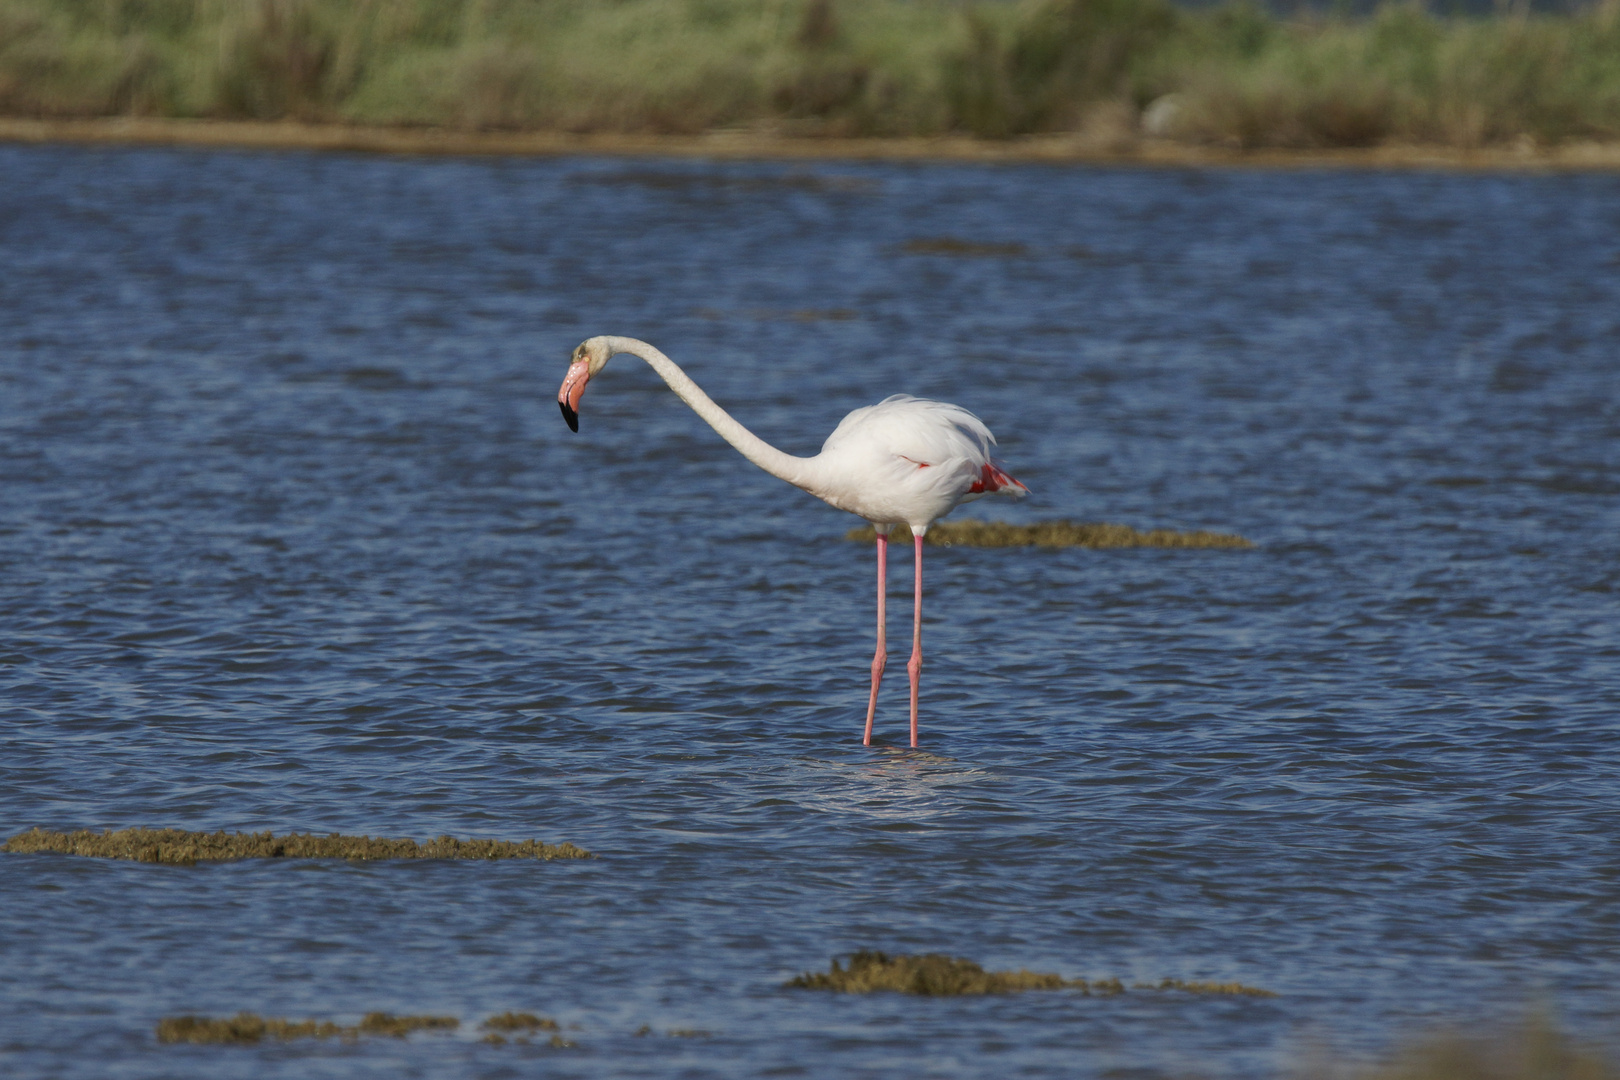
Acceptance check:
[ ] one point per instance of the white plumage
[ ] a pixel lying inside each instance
(904, 461)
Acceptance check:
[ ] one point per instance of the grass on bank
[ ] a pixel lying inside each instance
(178, 847)
(1053, 534)
(1111, 69)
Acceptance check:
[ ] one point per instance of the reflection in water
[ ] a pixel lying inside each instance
(906, 785)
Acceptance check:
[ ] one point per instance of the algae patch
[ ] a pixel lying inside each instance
(937, 975)
(556, 1042)
(247, 1028)
(1234, 989)
(520, 1027)
(931, 974)
(519, 1021)
(178, 847)
(1055, 534)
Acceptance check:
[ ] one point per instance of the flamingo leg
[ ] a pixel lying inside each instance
(882, 646)
(914, 665)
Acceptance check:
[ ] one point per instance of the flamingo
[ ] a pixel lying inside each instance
(904, 461)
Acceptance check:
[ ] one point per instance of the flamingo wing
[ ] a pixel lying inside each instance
(909, 460)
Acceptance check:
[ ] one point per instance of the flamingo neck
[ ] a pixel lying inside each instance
(784, 466)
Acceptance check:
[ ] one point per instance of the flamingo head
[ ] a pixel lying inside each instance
(589, 358)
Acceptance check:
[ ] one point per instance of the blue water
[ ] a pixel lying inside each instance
(292, 537)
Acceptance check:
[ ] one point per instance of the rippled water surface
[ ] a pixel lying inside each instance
(293, 538)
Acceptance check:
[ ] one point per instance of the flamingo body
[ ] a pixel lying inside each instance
(907, 461)
(904, 461)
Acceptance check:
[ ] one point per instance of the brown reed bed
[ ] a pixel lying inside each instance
(1055, 534)
(938, 975)
(179, 847)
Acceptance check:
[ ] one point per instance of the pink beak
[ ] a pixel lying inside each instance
(573, 388)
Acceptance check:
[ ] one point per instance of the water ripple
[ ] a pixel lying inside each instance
(292, 538)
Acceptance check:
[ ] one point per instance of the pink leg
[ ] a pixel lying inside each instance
(882, 646)
(914, 666)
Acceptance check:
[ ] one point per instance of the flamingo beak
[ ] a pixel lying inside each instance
(573, 388)
(992, 479)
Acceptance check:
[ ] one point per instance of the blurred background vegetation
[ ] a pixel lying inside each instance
(1109, 70)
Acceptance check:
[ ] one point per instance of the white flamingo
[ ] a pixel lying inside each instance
(903, 461)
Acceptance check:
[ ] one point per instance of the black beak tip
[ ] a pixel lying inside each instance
(569, 415)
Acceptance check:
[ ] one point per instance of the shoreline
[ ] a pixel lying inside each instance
(742, 145)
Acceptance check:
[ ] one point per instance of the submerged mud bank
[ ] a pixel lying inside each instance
(1055, 534)
(178, 847)
(247, 1028)
(250, 1029)
(1534, 1049)
(938, 975)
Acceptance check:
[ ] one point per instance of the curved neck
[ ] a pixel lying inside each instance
(778, 464)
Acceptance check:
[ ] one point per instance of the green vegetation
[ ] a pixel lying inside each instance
(937, 975)
(246, 1028)
(1053, 534)
(177, 847)
(1231, 75)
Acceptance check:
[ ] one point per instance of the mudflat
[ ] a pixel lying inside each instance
(760, 145)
